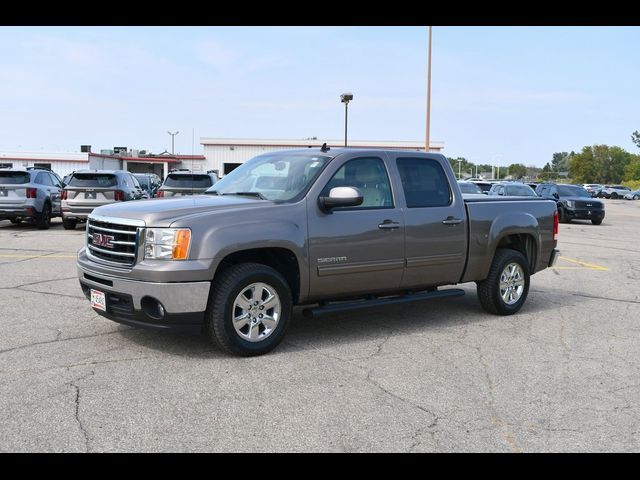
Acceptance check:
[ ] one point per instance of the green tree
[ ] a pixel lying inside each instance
(560, 162)
(517, 170)
(632, 170)
(599, 164)
(635, 137)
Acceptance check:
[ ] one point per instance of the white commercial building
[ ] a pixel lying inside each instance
(64, 163)
(225, 154)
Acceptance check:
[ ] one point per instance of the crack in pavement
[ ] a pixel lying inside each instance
(85, 434)
(20, 347)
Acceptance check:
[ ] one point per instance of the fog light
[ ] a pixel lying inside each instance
(152, 308)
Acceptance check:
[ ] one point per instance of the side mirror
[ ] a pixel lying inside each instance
(556, 196)
(341, 197)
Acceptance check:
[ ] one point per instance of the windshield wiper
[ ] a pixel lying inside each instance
(248, 194)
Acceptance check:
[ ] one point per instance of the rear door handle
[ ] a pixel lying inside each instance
(388, 225)
(452, 221)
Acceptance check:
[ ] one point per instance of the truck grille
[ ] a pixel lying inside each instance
(112, 242)
(589, 205)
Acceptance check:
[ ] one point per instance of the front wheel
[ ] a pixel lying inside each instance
(505, 289)
(596, 221)
(249, 309)
(636, 197)
(614, 196)
(562, 216)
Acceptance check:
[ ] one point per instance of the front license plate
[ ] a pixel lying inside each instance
(98, 300)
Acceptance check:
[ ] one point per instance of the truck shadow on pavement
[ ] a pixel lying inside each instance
(358, 327)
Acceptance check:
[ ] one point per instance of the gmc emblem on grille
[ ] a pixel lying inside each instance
(101, 240)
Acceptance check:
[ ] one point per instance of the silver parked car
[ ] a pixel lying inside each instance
(89, 189)
(635, 195)
(186, 183)
(614, 191)
(30, 194)
(512, 189)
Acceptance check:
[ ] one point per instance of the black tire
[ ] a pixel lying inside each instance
(489, 289)
(562, 216)
(224, 290)
(636, 197)
(16, 221)
(614, 196)
(596, 221)
(43, 219)
(69, 224)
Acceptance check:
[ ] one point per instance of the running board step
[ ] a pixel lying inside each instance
(323, 310)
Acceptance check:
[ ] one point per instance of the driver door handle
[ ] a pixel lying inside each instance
(388, 225)
(452, 221)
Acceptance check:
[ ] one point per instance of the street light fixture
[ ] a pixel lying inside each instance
(346, 98)
(172, 141)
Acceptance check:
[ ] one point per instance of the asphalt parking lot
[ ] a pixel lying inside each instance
(562, 375)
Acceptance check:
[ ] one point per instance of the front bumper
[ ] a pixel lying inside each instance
(128, 301)
(584, 214)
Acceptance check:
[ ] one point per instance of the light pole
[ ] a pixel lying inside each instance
(427, 140)
(172, 141)
(346, 98)
(459, 166)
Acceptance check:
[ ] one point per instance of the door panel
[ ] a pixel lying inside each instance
(361, 249)
(435, 223)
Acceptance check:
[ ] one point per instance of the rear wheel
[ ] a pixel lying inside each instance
(43, 220)
(69, 224)
(249, 309)
(614, 196)
(636, 197)
(505, 289)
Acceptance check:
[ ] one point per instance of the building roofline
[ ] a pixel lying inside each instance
(238, 142)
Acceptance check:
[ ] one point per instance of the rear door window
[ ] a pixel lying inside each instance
(424, 182)
(95, 180)
(43, 178)
(14, 178)
(188, 181)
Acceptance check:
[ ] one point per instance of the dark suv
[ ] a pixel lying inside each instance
(573, 202)
(31, 193)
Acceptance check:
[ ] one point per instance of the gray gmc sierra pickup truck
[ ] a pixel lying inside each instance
(329, 229)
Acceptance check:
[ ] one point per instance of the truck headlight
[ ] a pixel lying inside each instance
(167, 243)
(571, 203)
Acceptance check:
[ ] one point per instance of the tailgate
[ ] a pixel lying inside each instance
(12, 195)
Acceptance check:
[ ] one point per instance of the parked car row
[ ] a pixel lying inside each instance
(37, 194)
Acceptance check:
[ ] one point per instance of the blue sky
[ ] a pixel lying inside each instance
(499, 94)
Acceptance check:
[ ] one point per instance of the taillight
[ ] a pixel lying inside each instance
(32, 192)
(556, 222)
(63, 195)
(119, 196)
(160, 194)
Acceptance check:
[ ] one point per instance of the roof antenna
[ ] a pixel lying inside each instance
(324, 147)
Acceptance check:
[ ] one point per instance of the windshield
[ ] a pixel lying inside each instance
(572, 191)
(277, 177)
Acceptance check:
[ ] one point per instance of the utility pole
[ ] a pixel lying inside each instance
(428, 139)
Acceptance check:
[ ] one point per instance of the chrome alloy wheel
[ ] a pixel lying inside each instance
(511, 283)
(256, 312)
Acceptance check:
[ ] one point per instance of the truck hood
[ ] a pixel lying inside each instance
(161, 212)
